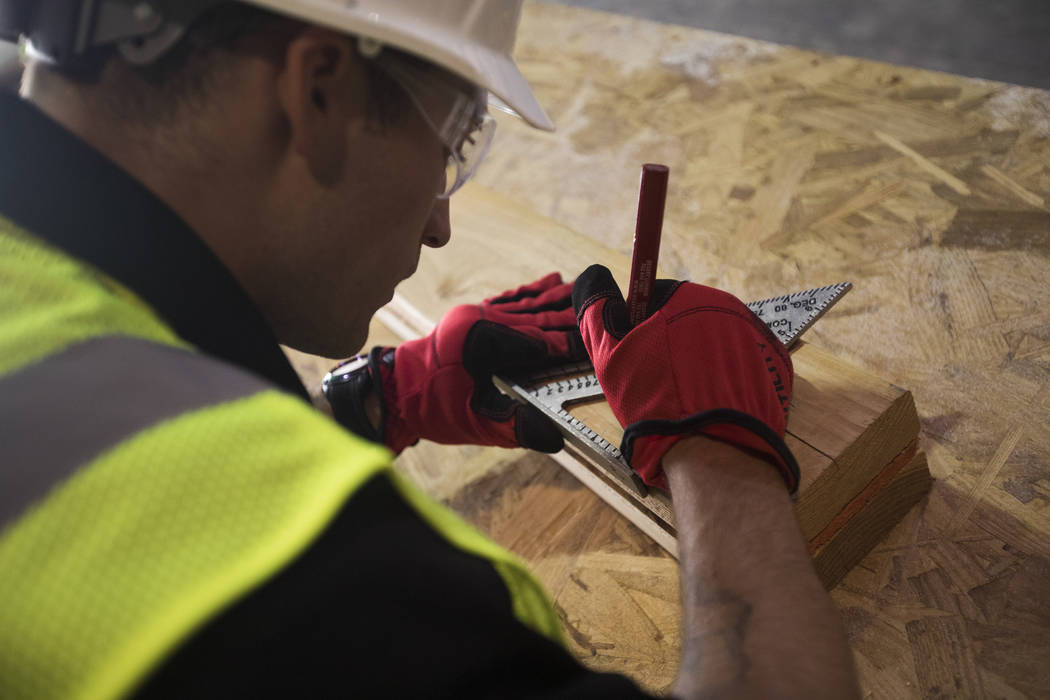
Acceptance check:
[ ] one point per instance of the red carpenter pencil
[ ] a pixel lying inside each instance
(651, 197)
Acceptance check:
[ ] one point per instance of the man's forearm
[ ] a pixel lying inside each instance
(757, 622)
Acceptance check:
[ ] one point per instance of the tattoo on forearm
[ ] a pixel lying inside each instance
(714, 644)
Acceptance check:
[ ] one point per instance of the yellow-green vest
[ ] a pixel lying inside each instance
(144, 486)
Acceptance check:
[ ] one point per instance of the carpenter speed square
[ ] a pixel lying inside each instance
(556, 391)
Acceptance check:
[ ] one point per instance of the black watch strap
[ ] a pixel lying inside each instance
(346, 387)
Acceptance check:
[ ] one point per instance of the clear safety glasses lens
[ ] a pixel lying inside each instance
(466, 130)
(463, 161)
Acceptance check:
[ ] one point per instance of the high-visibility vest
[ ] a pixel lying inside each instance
(144, 486)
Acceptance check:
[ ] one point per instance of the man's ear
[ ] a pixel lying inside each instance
(321, 89)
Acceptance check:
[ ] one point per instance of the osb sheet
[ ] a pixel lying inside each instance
(790, 169)
(931, 193)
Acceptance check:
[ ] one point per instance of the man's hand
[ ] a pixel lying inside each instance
(440, 387)
(702, 363)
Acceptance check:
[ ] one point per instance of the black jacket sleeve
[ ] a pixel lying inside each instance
(380, 605)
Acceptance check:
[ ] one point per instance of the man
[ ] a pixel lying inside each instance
(183, 184)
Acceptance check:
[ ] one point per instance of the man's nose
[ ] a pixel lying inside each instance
(438, 230)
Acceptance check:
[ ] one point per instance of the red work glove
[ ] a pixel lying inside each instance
(440, 387)
(702, 363)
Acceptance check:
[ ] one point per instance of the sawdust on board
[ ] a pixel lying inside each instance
(701, 59)
(1015, 107)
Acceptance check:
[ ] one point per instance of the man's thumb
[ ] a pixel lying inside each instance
(593, 286)
(535, 431)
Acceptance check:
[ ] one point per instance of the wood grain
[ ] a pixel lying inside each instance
(947, 667)
(869, 525)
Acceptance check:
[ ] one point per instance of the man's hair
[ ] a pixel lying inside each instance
(184, 74)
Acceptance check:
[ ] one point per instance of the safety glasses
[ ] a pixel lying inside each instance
(457, 113)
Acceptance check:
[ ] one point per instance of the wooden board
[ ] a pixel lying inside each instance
(876, 514)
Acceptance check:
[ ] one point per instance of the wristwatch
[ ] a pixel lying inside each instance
(347, 387)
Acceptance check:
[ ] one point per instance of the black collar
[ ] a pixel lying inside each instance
(60, 189)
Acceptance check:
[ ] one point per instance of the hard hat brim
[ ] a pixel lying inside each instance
(485, 67)
(501, 77)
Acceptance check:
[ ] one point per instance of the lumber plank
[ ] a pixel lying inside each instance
(857, 419)
(496, 245)
(869, 525)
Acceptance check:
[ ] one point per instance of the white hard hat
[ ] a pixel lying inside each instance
(472, 38)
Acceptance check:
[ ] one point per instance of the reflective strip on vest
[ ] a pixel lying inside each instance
(68, 392)
(144, 501)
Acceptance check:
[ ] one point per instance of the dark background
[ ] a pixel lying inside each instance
(1007, 40)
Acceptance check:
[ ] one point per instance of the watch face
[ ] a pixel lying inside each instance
(342, 372)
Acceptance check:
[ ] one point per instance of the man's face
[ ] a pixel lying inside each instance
(360, 234)
(376, 227)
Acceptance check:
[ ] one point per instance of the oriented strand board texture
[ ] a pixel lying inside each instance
(789, 169)
(931, 193)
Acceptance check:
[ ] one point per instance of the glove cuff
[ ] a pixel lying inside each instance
(393, 430)
(769, 443)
